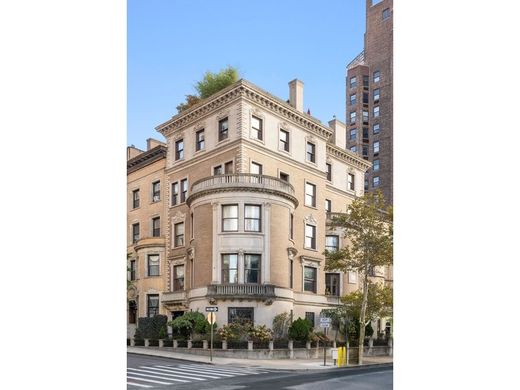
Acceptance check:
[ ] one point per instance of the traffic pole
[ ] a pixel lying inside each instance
(211, 345)
(325, 349)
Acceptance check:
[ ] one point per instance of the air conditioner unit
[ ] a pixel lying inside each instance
(156, 198)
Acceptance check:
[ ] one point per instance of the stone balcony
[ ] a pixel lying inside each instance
(246, 182)
(173, 296)
(241, 291)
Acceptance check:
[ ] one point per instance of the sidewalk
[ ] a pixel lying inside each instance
(273, 364)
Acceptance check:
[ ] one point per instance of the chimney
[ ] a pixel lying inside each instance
(296, 94)
(339, 138)
(152, 143)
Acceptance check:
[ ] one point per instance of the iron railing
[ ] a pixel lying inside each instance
(241, 290)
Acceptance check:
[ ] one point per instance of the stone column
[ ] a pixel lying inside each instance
(271, 345)
(204, 344)
(224, 344)
(291, 351)
(132, 342)
(390, 346)
(249, 345)
(175, 344)
(189, 344)
(308, 345)
(161, 343)
(146, 342)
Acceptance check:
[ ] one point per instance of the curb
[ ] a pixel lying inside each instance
(186, 357)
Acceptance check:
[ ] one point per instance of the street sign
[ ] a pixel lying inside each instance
(211, 318)
(325, 325)
(325, 320)
(211, 308)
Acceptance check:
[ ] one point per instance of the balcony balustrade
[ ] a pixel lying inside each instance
(255, 291)
(242, 182)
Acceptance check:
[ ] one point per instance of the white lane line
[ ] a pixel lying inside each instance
(148, 380)
(194, 371)
(222, 368)
(158, 377)
(226, 370)
(137, 384)
(152, 370)
(216, 371)
(178, 370)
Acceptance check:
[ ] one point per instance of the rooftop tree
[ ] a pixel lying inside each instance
(211, 83)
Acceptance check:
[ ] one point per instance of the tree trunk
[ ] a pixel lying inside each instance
(362, 318)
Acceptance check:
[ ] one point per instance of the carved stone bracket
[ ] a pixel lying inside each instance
(310, 219)
(291, 253)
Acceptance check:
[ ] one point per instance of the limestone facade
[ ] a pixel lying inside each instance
(246, 199)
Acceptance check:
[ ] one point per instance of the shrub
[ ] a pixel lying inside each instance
(300, 330)
(281, 323)
(150, 327)
(190, 323)
(260, 333)
(235, 331)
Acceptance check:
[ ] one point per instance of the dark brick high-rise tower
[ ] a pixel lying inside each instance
(370, 98)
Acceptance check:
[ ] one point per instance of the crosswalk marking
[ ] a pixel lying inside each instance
(246, 371)
(183, 373)
(153, 370)
(208, 371)
(156, 376)
(137, 384)
(148, 380)
(178, 370)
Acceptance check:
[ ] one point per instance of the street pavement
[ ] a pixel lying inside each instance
(152, 372)
(167, 373)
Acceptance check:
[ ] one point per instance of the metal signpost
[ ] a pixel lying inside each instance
(211, 319)
(325, 323)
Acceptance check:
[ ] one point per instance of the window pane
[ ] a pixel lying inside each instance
(230, 211)
(230, 224)
(252, 211)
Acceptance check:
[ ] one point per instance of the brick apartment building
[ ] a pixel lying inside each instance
(247, 183)
(370, 98)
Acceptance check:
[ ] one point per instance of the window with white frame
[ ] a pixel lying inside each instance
(284, 177)
(230, 218)
(376, 112)
(376, 95)
(375, 128)
(365, 116)
(332, 284)
(376, 166)
(230, 268)
(156, 191)
(153, 265)
(135, 232)
(352, 117)
(350, 181)
(256, 128)
(353, 134)
(353, 149)
(332, 242)
(375, 181)
(309, 279)
(284, 140)
(156, 227)
(376, 147)
(353, 82)
(175, 193)
(199, 140)
(328, 205)
(135, 199)
(179, 149)
(310, 236)
(217, 170)
(252, 218)
(178, 231)
(223, 129)
(251, 268)
(311, 152)
(386, 13)
(256, 168)
(377, 76)
(353, 99)
(184, 190)
(178, 277)
(310, 195)
(329, 172)
(152, 305)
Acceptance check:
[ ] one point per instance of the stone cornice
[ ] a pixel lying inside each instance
(348, 157)
(146, 158)
(202, 193)
(249, 91)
